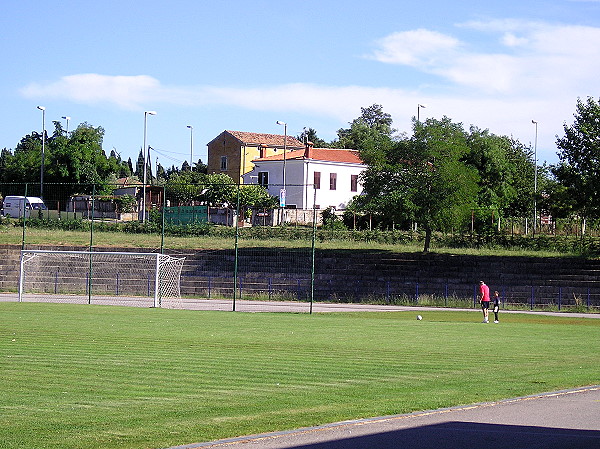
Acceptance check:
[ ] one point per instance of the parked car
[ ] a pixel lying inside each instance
(22, 206)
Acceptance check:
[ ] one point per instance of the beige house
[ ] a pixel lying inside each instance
(232, 152)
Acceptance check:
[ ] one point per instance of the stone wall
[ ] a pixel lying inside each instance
(348, 275)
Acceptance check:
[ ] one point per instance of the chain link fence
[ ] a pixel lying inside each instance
(236, 251)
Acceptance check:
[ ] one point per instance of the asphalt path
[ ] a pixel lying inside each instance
(241, 305)
(563, 419)
(322, 307)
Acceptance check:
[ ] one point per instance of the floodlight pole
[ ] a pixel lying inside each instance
(43, 109)
(67, 118)
(535, 178)
(283, 195)
(419, 106)
(146, 113)
(191, 146)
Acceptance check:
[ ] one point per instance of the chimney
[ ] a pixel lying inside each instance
(309, 146)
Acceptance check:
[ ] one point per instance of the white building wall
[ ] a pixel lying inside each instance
(341, 196)
(300, 178)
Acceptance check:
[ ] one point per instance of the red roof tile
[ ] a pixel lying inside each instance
(269, 140)
(319, 154)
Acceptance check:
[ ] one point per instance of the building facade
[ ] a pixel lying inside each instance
(323, 177)
(233, 152)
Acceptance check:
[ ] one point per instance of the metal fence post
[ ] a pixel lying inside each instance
(237, 233)
(559, 297)
(312, 250)
(446, 294)
(588, 299)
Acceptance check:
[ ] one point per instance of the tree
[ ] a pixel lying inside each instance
(185, 187)
(220, 190)
(200, 167)
(506, 170)
(254, 195)
(423, 178)
(75, 164)
(310, 135)
(371, 127)
(443, 187)
(578, 169)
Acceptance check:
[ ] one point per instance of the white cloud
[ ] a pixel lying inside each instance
(127, 92)
(533, 70)
(417, 48)
(509, 115)
(526, 57)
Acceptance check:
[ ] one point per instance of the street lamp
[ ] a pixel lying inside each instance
(146, 114)
(43, 109)
(67, 118)
(419, 106)
(284, 149)
(535, 177)
(191, 146)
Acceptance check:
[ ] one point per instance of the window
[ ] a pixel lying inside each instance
(263, 178)
(262, 150)
(223, 162)
(354, 183)
(332, 181)
(317, 180)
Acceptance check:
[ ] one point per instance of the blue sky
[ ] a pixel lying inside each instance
(243, 65)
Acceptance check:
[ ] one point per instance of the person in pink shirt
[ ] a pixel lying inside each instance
(484, 300)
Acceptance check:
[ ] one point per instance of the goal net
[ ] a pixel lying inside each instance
(98, 276)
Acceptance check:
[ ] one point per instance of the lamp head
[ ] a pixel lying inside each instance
(66, 117)
(279, 122)
(150, 112)
(190, 126)
(41, 108)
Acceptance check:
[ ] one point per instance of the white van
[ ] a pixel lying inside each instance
(19, 206)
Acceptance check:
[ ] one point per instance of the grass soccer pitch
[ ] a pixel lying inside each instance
(80, 376)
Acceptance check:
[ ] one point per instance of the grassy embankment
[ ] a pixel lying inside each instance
(38, 236)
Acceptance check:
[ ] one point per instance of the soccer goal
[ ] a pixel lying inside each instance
(99, 276)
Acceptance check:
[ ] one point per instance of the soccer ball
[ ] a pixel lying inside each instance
(419, 317)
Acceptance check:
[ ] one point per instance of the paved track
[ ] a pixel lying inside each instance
(565, 419)
(255, 306)
(320, 307)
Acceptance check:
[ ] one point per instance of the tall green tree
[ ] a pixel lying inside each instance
(367, 131)
(74, 164)
(185, 187)
(506, 171)
(423, 178)
(443, 187)
(200, 167)
(578, 169)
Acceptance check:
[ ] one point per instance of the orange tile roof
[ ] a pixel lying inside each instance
(319, 154)
(269, 140)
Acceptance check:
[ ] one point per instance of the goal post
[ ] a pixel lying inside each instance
(103, 276)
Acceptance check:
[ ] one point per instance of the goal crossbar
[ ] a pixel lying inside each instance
(165, 270)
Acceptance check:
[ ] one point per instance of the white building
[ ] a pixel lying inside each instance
(334, 173)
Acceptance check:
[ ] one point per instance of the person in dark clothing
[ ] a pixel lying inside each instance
(496, 306)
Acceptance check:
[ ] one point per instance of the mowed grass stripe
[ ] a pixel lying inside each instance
(77, 376)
